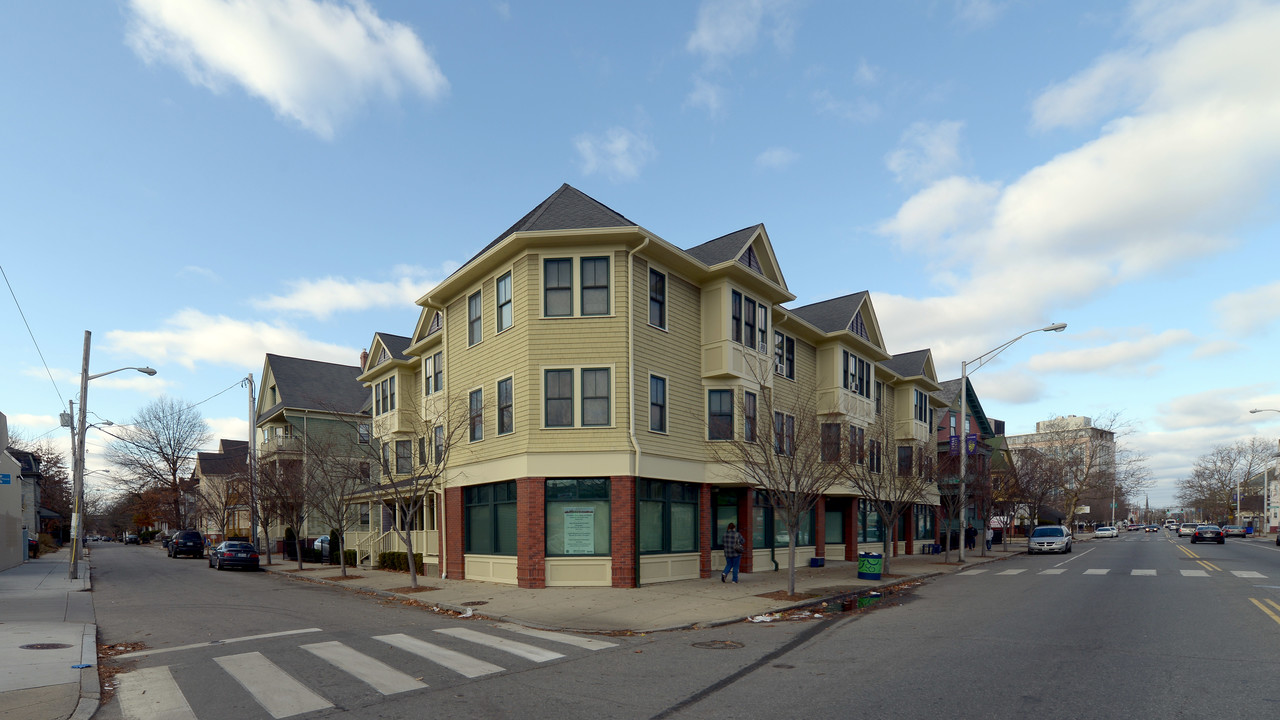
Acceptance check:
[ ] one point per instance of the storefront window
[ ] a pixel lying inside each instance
(491, 518)
(833, 533)
(770, 529)
(725, 505)
(925, 527)
(578, 516)
(667, 514)
(869, 527)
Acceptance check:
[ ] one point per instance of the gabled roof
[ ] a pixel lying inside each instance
(750, 247)
(831, 315)
(314, 385)
(950, 394)
(232, 458)
(908, 364)
(395, 345)
(724, 248)
(568, 208)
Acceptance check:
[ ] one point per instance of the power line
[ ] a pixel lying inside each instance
(61, 402)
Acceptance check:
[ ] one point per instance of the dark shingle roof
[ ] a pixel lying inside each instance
(316, 385)
(568, 208)
(724, 248)
(232, 458)
(908, 364)
(395, 344)
(950, 392)
(831, 315)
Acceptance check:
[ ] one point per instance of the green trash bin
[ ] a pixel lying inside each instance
(869, 565)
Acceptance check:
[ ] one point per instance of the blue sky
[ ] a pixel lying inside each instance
(203, 182)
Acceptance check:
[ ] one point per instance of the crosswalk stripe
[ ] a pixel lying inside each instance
(1018, 571)
(1097, 571)
(1194, 573)
(462, 664)
(1052, 571)
(975, 571)
(274, 689)
(381, 676)
(575, 640)
(1142, 572)
(152, 694)
(526, 651)
(1247, 574)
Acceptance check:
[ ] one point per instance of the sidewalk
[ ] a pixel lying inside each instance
(650, 608)
(40, 607)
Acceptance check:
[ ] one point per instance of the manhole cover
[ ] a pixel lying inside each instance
(44, 646)
(719, 645)
(474, 603)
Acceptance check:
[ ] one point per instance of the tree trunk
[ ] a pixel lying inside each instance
(413, 566)
(791, 561)
(342, 555)
(887, 548)
(297, 547)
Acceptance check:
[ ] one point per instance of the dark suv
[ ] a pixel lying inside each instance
(186, 542)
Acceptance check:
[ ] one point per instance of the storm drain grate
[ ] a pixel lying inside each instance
(44, 646)
(719, 645)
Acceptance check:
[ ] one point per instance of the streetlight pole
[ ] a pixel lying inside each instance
(978, 362)
(1266, 507)
(77, 488)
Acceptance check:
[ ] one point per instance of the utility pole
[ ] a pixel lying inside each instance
(253, 470)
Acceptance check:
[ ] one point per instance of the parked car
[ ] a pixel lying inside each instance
(1187, 529)
(1133, 527)
(1234, 531)
(1049, 538)
(186, 542)
(1106, 531)
(1208, 533)
(131, 539)
(233, 554)
(321, 545)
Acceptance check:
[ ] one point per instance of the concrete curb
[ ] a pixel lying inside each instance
(90, 688)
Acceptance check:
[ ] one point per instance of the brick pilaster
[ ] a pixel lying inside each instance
(820, 527)
(746, 526)
(851, 531)
(706, 528)
(454, 547)
(622, 521)
(531, 532)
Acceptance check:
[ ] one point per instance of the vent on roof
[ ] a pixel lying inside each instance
(435, 325)
(384, 356)
(749, 259)
(857, 327)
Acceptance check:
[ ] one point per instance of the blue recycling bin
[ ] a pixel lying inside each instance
(869, 566)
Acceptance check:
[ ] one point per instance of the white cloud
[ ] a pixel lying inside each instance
(860, 110)
(1011, 387)
(927, 151)
(866, 74)
(727, 28)
(198, 271)
(707, 95)
(504, 10)
(322, 297)
(191, 337)
(978, 13)
(619, 153)
(1216, 348)
(313, 61)
(1121, 355)
(1249, 311)
(227, 428)
(1218, 408)
(1171, 181)
(775, 158)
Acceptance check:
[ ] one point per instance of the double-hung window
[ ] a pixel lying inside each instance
(557, 287)
(473, 318)
(423, 457)
(506, 407)
(657, 299)
(384, 396)
(657, 404)
(437, 362)
(857, 444)
(437, 442)
(504, 302)
(830, 442)
(735, 317)
(904, 460)
(749, 416)
(784, 434)
(404, 457)
(595, 286)
(476, 406)
(362, 433)
(857, 375)
(719, 414)
(595, 397)
(749, 321)
(558, 394)
(922, 407)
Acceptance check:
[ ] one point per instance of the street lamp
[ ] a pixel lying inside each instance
(978, 362)
(77, 435)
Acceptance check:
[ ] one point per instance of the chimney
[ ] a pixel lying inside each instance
(364, 358)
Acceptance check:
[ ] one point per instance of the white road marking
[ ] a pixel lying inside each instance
(455, 661)
(1194, 573)
(152, 694)
(215, 643)
(274, 689)
(528, 652)
(975, 571)
(1143, 572)
(575, 640)
(1052, 571)
(1247, 574)
(381, 676)
(1019, 571)
(1097, 571)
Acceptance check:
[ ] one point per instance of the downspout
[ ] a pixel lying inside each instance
(631, 403)
(442, 545)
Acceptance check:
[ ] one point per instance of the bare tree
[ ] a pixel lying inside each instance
(782, 455)
(1036, 479)
(157, 451)
(340, 477)
(1220, 473)
(221, 497)
(892, 484)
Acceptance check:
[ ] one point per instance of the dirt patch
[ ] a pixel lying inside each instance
(107, 671)
(339, 578)
(411, 589)
(783, 595)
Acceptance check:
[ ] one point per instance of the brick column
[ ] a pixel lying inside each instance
(622, 531)
(531, 532)
(820, 527)
(851, 531)
(706, 517)
(454, 547)
(911, 529)
(746, 518)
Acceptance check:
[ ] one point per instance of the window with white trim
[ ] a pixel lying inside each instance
(473, 318)
(784, 355)
(595, 285)
(857, 375)
(657, 299)
(558, 398)
(657, 403)
(476, 406)
(506, 407)
(557, 287)
(595, 397)
(719, 414)
(504, 316)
